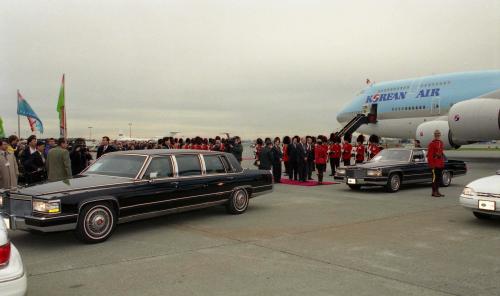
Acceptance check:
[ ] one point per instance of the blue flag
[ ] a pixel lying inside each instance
(24, 109)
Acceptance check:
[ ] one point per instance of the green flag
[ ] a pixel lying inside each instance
(61, 109)
(2, 131)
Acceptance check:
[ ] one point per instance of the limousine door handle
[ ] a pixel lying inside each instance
(230, 178)
(175, 184)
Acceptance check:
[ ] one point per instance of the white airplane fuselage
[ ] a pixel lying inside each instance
(464, 106)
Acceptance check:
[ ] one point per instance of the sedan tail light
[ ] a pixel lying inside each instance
(4, 254)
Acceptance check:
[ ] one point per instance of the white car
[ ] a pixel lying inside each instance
(12, 274)
(482, 197)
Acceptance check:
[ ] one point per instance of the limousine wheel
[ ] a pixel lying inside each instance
(238, 203)
(96, 222)
(393, 183)
(446, 178)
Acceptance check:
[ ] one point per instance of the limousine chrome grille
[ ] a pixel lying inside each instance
(484, 194)
(356, 173)
(18, 205)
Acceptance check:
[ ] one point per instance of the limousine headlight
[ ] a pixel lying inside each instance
(47, 206)
(340, 172)
(468, 191)
(374, 173)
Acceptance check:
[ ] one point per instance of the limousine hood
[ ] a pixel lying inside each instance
(77, 183)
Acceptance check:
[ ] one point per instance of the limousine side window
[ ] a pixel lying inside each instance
(188, 165)
(214, 165)
(227, 164)
(161, 167)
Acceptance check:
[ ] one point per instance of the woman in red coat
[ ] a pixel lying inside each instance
(320, 158)
(286, 142)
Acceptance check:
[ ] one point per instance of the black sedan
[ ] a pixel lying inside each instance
(393, 167)
(131, 185)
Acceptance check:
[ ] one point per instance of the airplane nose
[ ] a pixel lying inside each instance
(340, 116)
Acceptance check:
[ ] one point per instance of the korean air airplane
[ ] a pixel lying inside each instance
(465, 107)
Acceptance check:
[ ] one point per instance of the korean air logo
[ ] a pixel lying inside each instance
(375, 98)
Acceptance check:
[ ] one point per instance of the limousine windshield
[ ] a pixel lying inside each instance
(392, 155)
(117, 165)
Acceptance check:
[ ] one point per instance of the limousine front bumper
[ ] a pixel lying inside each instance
(366, 181)
(42, 224)
(17, 212)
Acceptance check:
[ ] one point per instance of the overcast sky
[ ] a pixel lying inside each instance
(253, 68)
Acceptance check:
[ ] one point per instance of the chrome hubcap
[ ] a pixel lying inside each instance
(98, 222)
(395, 182)
(446, 178)
(240, 200)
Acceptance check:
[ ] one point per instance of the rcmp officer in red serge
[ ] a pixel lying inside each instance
(436, 162)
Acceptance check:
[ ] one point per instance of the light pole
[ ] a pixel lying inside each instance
(130, 129)
(90, 133)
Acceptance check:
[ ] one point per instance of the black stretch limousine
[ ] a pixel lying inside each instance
(397, 166)
(131, 185)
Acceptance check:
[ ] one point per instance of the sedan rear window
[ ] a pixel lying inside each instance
(188, 165)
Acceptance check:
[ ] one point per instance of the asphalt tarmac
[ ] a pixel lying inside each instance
(322, 240)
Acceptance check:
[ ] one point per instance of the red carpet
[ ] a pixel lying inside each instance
(308, 183)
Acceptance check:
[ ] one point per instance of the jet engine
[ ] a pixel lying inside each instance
(475, 120)
(425, 133)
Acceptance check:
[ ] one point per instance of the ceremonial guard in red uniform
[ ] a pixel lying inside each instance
(435, 158)
(320, 158)
(197, 143)
(360, 149)
(373, 146)
(346, 151)
(335, 152)
(187, 144)
(204, 146)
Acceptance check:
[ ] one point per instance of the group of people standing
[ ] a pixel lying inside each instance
(302, 156)
(34, 162)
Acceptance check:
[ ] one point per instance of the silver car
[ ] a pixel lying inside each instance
(482, 197)
(12, 274)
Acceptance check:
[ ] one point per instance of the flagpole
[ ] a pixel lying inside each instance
(65, 121)
(18, 117)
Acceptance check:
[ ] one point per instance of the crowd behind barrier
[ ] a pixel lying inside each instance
(35, 160)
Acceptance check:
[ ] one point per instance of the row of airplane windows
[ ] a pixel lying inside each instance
(406, 108)
(441, 83)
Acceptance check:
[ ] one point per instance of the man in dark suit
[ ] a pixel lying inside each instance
(266, 156)
(35, 167)
(105, 147)
(293, 158)
(302, 160)
(310, 157)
